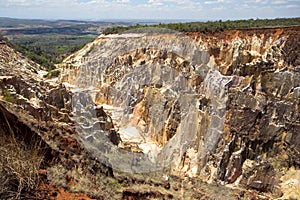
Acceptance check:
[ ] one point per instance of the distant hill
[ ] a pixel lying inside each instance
(49, 42)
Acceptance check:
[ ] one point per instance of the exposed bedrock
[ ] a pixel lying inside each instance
(223, 107)
(36, 120)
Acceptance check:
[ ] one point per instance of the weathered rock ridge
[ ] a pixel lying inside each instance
(46, 117)
(222, 107)
(177, 109)
(36, 112)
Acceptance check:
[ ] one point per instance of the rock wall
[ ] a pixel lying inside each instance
(36, 114)
(223, 107)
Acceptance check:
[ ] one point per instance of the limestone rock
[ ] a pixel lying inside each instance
(228, 97)
(221, 107)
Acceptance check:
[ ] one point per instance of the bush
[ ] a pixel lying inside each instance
(8, 97)
(52, 74)
(19, 165)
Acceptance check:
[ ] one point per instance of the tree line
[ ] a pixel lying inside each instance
(210, 26)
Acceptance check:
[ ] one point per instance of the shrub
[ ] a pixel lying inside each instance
(8, 97)
(52, 74)
(19, 165)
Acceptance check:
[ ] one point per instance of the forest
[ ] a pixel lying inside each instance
(209, 26)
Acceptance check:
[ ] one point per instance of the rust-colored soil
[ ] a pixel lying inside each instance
(48, 191)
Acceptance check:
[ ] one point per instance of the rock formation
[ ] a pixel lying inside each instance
(177, 109)
(221, 107)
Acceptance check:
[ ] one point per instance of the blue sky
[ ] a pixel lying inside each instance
(149, 9)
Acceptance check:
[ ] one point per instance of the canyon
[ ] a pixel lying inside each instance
(165, 114)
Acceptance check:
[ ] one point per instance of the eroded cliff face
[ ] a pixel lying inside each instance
(69, 133)
(35, 118)
(223, 107)
(220, 107)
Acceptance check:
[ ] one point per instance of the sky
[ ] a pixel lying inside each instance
(202, 10)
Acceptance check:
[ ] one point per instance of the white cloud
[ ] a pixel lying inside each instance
(18, 2)
(156, 2)
(184, 9)
(290, 6)
(219, 8)
(217, 1)
(123, 1)
(257, 1)
(161, 2)
(280, 2)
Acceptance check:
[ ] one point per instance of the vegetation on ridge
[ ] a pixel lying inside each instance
(210, 26)
(49, 42)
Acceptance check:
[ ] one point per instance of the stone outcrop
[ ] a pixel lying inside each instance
(213, 103)
(38, 113)
(177, 109)
(68, 170)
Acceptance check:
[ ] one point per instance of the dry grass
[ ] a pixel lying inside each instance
(19, 165)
